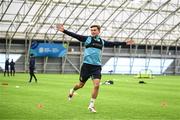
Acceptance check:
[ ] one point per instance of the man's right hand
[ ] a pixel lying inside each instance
(60, 27)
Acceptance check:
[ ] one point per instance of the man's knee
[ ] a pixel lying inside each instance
(81, 85)
(96, 86)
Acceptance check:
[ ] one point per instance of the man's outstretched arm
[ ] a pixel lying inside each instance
(111, 44)
(81, 38)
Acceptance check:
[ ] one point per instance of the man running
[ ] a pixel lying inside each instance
(91, 66)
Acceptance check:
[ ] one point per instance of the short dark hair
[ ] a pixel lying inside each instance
(98, 27)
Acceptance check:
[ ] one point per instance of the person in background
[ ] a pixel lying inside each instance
(12, 68)
(32, 68)
(6, 67)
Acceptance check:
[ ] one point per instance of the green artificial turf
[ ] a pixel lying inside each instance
(158, 99)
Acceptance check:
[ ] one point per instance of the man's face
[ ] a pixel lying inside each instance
(94, 31)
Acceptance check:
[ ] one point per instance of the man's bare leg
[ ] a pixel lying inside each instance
(96, 83)
(76, 87)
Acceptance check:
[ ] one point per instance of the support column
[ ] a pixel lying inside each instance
(45, 64)
(26, 54)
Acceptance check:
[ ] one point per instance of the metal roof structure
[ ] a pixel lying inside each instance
(152, 22)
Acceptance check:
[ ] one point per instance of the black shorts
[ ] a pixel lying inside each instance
(87, 71)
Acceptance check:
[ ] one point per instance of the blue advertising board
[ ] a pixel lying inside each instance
(48, 49)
